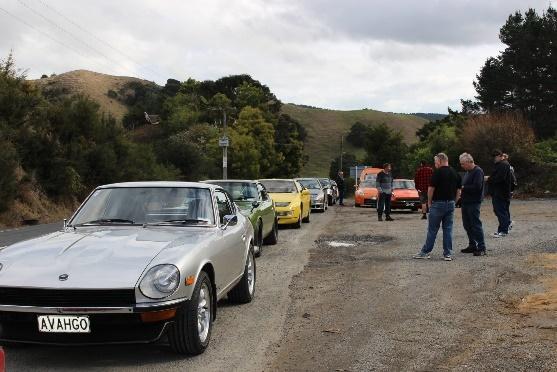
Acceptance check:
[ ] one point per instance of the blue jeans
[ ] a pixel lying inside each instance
(473, 225)
(384, 203)
(501, 210)
(441, 212)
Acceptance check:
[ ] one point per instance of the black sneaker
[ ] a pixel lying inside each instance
(388, 218)
(379, 218)
(468, 250)
(479, 252)
(424, 216)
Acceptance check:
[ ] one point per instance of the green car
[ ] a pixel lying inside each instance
(256, 204)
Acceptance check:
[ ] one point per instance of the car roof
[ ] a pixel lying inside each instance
(156, 184)
(231, 181)
(277, 179)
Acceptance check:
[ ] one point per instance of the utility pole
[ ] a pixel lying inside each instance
(341, 140)
(224, 149)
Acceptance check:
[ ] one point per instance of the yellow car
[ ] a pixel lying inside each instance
(292, 200)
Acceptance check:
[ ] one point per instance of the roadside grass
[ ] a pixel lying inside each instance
(325, 128)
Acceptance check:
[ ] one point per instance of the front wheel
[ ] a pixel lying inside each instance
(306, 220)
(244, 291)
(272, 239)
(191, 331)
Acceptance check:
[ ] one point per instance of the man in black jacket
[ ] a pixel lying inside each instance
(341, 187)
(499, 186)
(471, 201)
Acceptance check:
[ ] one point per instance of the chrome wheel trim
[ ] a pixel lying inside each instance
(251, 273)
(203, 312)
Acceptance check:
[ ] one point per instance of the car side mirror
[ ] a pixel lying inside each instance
(229, 220)
(255, 204)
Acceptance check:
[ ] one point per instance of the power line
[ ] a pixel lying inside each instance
(74, 37)
(54, 10)
(42, 32)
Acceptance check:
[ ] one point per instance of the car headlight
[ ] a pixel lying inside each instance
(360, 193)
(160, 281)
(374, 198)
(282, 204)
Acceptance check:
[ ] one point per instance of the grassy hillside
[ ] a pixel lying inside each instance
(325, 127)
(92, 84)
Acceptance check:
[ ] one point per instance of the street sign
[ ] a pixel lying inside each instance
(224, 142)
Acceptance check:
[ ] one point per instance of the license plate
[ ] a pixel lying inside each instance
(410, 204)
(64, 324)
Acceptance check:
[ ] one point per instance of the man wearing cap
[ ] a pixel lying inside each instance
(499, 186)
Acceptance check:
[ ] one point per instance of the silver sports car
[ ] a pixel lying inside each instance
(135, 262)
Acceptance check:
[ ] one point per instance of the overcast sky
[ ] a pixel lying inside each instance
(401, 56)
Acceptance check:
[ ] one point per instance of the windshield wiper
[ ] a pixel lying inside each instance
(104, 221)
(186, 221)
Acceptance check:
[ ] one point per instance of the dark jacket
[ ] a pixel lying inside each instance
(473, 186)
(499, 183)
(384, 182)
(340, 183)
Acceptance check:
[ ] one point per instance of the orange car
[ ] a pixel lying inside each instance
(366, 193)
(405, 195)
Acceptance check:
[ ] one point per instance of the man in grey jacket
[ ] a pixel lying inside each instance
(384, 184)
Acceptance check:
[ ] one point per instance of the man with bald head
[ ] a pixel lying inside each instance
(442, 193)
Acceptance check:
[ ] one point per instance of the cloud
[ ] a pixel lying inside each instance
(403, 56)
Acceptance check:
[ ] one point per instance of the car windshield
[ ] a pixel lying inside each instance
(141, 205)
(239, 190)
(370, 178)
(367, 184)
(279, 186)
(325, 182)
(403, 184)
(310, 184)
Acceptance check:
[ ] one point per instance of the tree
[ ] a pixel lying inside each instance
(383, 145)
(289, 142)
(357, 135)
(523, 76)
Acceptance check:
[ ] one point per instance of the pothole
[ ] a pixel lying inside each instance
(340, 244)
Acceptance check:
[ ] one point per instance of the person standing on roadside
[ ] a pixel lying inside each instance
(422, 180)
(499, 186)
(384, 184)
(471, 202)
(341, 187)
(514, 184)
(442, 194)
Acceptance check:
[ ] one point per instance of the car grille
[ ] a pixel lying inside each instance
(67, 297)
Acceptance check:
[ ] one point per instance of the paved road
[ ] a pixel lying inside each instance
(12, 236)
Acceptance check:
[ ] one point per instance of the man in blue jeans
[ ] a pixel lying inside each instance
(442, 194)
(471, 200)
(499, 186)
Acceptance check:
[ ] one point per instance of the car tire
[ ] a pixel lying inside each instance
(272, 238)
(186, 335)
(258, 249)
(244, 291)
(306, 220)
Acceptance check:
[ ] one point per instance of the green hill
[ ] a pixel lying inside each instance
(325, 127)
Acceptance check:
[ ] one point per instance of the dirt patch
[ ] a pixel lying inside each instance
(545, 301)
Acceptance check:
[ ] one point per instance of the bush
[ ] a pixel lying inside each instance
(509, 132)
(8, 181)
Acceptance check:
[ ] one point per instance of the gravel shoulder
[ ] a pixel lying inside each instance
(370, 306)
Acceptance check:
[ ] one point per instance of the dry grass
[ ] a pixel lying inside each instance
(545, 301)
(93, 84)
(325, 127)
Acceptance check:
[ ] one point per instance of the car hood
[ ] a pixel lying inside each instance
(369, 191)
(405, 193)
(284, 197)
(100, 257)
(315, 191)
